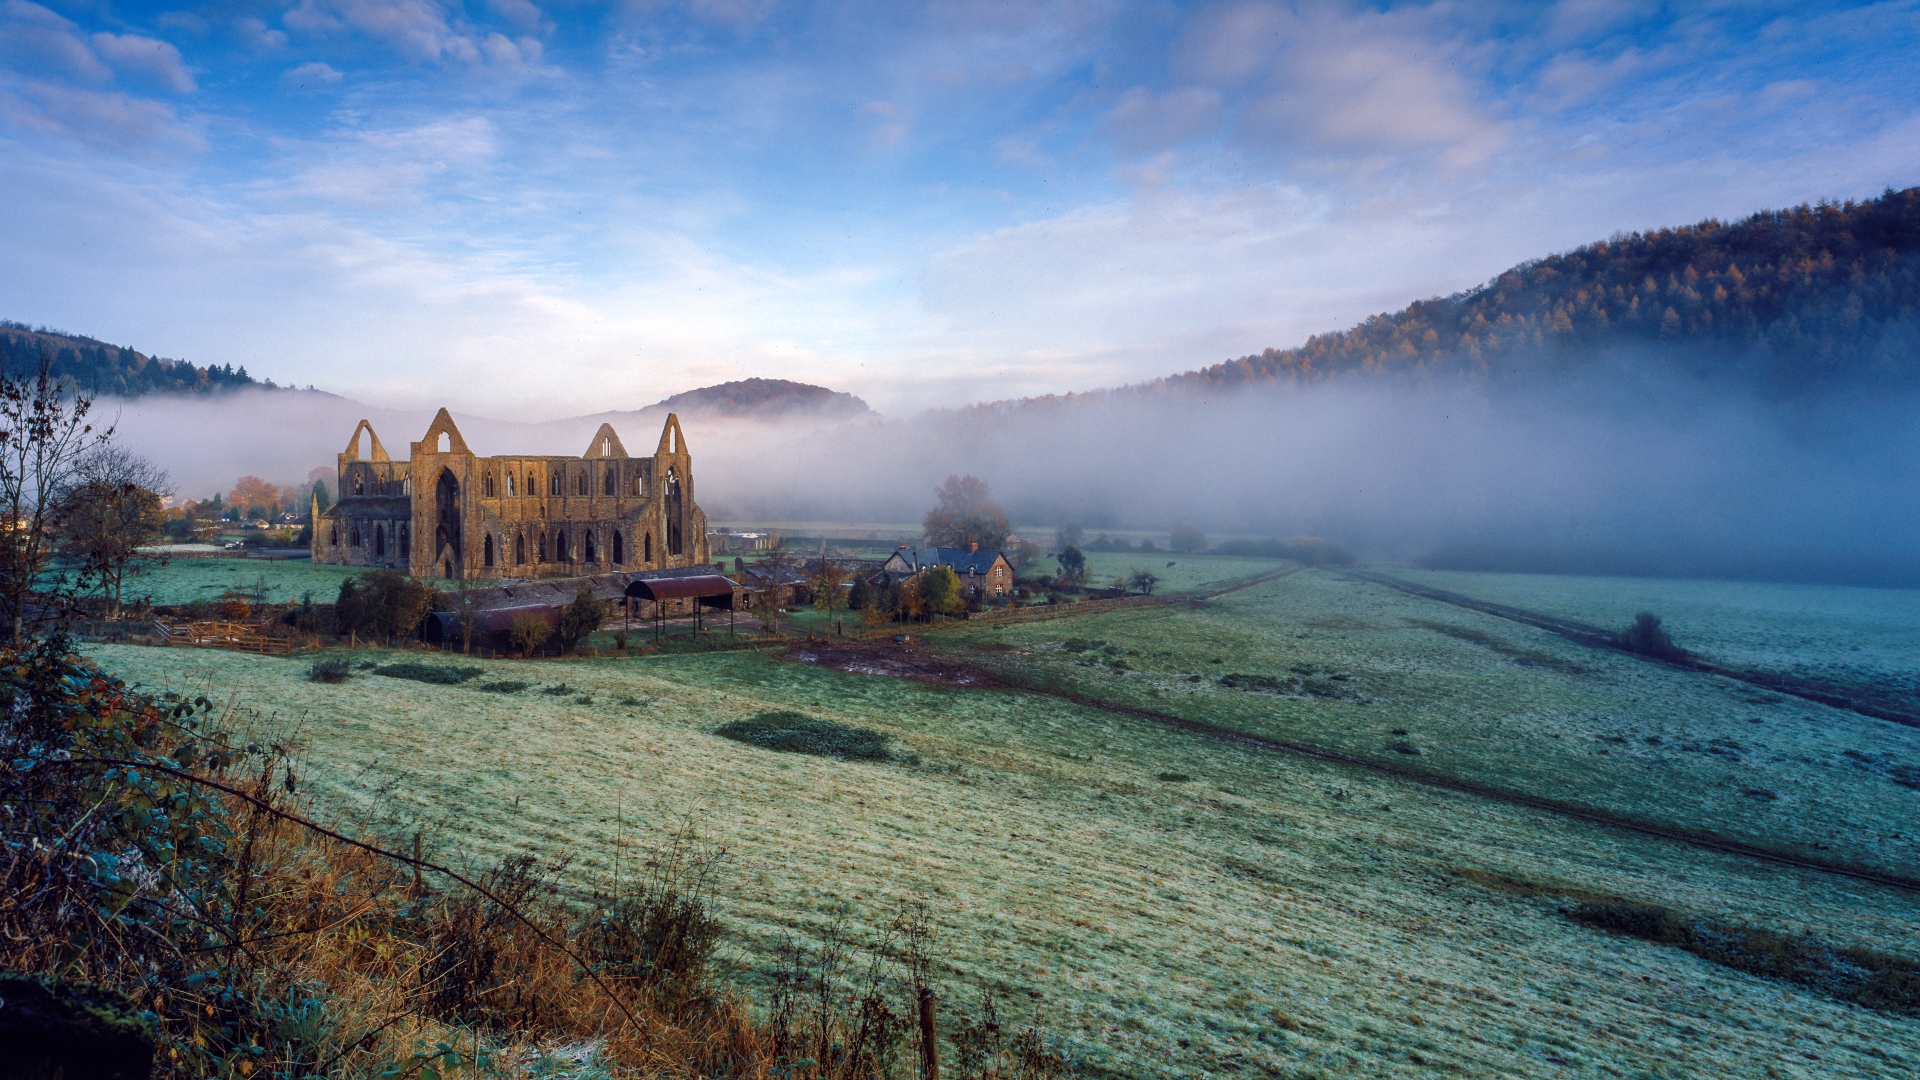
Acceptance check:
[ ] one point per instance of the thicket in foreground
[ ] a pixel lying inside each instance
(143, 853)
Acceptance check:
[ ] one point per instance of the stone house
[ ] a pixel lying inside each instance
(984, 575)
(445, 512)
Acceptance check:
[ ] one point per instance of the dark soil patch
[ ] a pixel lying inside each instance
(798, 733)
(894, 659)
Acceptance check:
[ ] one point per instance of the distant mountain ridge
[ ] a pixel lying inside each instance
(1787, 301)
(112, 370)
(754, 398)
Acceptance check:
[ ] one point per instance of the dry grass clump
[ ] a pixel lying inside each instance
(330, 670)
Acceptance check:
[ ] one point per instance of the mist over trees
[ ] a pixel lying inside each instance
(1789, 302)
(966, 514)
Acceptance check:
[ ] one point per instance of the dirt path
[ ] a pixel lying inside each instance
(914, 661)
(1867, 703)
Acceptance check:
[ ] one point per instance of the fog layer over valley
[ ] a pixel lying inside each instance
(1647, 474)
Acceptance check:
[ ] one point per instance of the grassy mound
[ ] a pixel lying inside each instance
(429, 673)
(798, 733)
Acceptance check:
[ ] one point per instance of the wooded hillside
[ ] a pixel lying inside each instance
(1785, 301)
(113, 370)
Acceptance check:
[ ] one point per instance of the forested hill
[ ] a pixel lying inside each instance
(764, 398)
(112, 370)
(1785, 302)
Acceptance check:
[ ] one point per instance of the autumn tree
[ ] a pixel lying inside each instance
(250, 492)
(828, 596)
(966, 514)
(109, 510)
(44, 435)
(940, 589)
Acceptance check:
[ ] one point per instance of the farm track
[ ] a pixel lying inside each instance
(1892, 710)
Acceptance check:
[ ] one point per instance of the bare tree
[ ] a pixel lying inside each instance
(44, 434)
(109, 509)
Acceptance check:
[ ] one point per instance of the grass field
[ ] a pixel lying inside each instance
(182, 581)
(1830, 632)
(1172, 904)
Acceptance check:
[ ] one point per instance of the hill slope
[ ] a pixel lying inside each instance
(114, 370)
(763, 398)
(1787, 302)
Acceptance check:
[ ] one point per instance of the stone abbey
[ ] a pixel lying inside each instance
(446, 513)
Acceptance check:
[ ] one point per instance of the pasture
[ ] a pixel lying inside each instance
(1171, 903)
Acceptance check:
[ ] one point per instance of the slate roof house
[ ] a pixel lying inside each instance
(983, 574)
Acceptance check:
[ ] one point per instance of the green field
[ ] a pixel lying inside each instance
(1172, 903)
(182, 581)
(1831, 632)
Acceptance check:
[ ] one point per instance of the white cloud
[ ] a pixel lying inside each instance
(1144, 122)
(145, 59)
(890, 123)
(313, 74)
(106, 120)
(35, 41)
(1344, 83)
(256, 35)
(420, 30)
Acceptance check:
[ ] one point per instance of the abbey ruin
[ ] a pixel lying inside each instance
(446, 513)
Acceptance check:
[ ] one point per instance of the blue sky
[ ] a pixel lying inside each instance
(535, 209)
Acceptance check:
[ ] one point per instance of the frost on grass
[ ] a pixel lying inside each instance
(798, 733)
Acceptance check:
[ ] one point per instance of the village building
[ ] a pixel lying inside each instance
(984, 575)
(445, 512)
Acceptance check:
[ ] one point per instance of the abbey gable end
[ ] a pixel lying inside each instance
(446, 513)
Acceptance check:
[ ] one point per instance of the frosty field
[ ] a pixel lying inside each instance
(1829, 631)
(1175, 904)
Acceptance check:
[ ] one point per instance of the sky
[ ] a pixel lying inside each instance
(532, 210)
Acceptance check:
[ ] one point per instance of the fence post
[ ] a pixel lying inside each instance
(929, 1038)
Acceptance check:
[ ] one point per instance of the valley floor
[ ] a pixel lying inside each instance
(1172, 903)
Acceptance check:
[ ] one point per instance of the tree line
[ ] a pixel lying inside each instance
(113, 370)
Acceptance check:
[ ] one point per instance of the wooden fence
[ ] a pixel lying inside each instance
(214, 634)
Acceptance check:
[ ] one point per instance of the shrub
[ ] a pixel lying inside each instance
(798, 733)
(1646, 637)
(331, 670)
(504, 686)
(528, 631)
(1174, 777)
(581, 618)
(429, 673)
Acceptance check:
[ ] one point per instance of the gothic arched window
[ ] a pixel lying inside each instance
(647, 543)
(353, 534)
(489, 552)
(580, 483)
(520, 549)
(618, 554)
(587, 543)
(607, 487)
(488, 485)
(379, 541)
(561, 552)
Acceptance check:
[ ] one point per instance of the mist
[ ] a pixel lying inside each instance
(1646, 474)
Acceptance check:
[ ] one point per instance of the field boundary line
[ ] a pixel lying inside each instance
(1592, 815)
(1595, 637)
